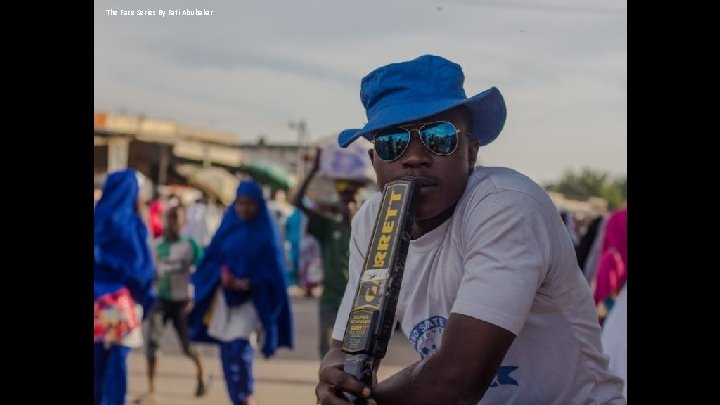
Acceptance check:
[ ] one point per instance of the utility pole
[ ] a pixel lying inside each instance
(301, 128)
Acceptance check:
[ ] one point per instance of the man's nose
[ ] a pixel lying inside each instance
(416, 154)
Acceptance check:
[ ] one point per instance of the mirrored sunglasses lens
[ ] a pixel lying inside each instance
(390, 144)
(439, 137)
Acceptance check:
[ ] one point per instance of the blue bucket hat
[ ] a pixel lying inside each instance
(420, 88)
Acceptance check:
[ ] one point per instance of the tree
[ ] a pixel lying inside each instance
(591, 183)
(621, 183)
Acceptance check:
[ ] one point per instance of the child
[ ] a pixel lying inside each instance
(175, 259)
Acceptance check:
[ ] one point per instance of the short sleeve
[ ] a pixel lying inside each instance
(507, 255)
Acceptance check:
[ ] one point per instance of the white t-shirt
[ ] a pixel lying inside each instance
(504, 257)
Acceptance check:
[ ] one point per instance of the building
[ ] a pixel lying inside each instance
(156, 147)
(151, 145)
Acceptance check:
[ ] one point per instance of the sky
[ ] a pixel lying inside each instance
(253, 67)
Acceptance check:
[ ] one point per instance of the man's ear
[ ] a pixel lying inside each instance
(473, 147)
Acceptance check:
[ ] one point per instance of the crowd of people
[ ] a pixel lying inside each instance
(149, 271)
(601, 251)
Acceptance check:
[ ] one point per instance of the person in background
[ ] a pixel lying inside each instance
(240, 286)
(123, 274)
(155, 215)
(203, 219)
(611, 272)
(175, 259)
(282, 210)
(571, 226)
(332, 231)
(295, 229)
(583, 248)
(310, 269)
(614, 337)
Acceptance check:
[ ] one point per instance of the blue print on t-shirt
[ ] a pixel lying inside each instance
(427, 335)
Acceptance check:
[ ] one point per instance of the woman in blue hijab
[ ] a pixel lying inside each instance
(123, 274)
(240, 285)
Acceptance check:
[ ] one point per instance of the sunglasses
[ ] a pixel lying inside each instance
(439, 137)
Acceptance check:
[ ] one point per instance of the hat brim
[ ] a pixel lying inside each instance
(487, 108)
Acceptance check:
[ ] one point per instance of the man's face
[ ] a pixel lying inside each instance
(442, 179)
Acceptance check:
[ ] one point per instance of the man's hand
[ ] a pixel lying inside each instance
(297, 200)
(334, 381)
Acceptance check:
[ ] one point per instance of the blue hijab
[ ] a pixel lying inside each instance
(249, 249)
(122, 254)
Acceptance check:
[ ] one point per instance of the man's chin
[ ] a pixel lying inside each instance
(426, 212)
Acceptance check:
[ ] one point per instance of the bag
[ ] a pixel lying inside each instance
(115, 316)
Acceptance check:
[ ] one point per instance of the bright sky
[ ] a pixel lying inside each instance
(254, 66)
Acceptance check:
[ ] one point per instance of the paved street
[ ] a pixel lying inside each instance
(288, 378)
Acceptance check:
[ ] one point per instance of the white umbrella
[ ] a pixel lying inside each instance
(213, 180)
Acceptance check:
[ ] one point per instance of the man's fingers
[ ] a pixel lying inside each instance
(344, 381)
(327, 395)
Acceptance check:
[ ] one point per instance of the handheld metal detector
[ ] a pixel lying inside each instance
(372, 317)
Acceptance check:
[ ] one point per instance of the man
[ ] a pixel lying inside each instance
(492, 298)
(333, 235)
(175, 259)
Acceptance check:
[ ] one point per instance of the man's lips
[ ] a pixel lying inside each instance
(423, 182)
